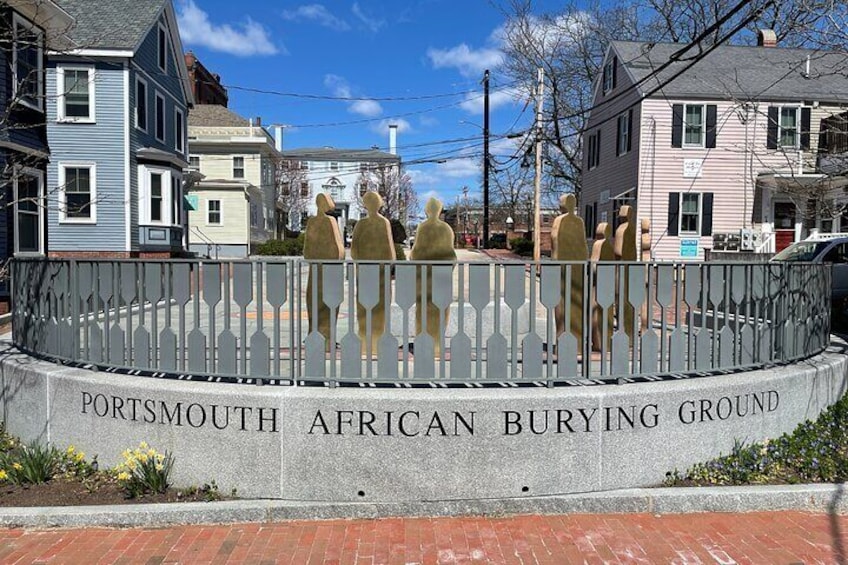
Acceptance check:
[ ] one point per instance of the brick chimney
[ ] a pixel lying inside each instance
(766, 38)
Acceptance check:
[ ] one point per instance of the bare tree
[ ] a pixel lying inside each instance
(292, 193)
(394, 185)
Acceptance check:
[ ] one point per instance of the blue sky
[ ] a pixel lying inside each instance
(432, 52)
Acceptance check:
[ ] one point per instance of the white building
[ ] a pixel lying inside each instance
(344, 174)
(231, 210)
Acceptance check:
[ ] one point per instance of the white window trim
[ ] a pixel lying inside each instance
(243, 167)
(63, 219)
(61, 91)
(156, 98)
(780, 110)
(39, 97)
(179, 135)
(619, 138)
(138, 125)
(220, 212)
(703, 142)
(680, 230)
(35, 173)
(192, 167)
(160, 46)
(144, 172)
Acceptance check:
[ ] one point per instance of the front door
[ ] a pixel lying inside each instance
(784, 224)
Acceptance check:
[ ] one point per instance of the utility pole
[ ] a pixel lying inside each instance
(537, 184)
(486, 159)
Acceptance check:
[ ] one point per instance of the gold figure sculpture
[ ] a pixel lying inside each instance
(568, 242)
(372, 241)
(322, 242)
(433, 242)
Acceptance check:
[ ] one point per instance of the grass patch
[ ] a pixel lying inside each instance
(815, 452)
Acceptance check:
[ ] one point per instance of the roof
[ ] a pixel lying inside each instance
(333, 154)
(736, 71)
(214, 115)
(111, 24)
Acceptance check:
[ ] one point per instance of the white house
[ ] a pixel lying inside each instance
(231, 209)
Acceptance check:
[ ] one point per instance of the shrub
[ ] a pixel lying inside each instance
(522, 246)
(282, 247)
(144, 470)
(398, 231)
(497, 244)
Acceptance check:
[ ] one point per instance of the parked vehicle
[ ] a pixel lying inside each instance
(824, 248)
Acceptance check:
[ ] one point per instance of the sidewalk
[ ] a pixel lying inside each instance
(777, 537)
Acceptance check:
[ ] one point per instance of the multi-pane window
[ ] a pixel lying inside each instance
(176, 198)
(141, 104)
(156, 197)
(609, 75)
(254, 215)
(194, 162)
(213, 212)
(238, 167)
(693, 125)
(594, 149)
(28, 237)
(76, 94)
(179, 139)
(304, 188)
(788, 134)
(78, 192)
(160, 117)
(690, 213)
(623, 138)
(334, 166)
(26, 64)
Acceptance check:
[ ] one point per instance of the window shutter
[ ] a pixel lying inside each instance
(771, 137)
(598, 148)
(673, 213)
(677, 125)
(707, 213)
(614, 71)
(629, 130)
(711, 125)
(805, 128)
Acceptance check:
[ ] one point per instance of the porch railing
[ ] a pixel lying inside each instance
(249, 319)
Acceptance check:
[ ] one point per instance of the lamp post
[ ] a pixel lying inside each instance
(510, 223)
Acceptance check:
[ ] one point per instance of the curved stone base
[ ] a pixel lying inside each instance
(396, 444)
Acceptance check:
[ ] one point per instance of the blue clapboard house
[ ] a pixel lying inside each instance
(29, 28)
(117, 121)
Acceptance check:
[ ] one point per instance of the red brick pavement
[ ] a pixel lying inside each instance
(772, 538)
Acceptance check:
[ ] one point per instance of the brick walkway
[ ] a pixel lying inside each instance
(772, 538)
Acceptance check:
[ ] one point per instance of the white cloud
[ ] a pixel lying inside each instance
(469, 62)
(373, 24)
(460, 168)
(341, 88)
(473, 103)
(382, 127)
(367, 108)
(317, 13)
(248, 38)
(428, 121)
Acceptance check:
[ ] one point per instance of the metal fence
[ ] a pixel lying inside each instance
(498, 322)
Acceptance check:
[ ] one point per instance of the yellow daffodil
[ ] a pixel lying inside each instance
(17, 466)
(123, 476)
(3, 475)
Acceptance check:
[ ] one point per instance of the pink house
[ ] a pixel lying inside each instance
(737, 148)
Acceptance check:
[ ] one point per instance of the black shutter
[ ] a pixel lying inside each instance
(594, 218)
(707, 213)
(598, 148)
(677, 125)
(711, 126)
(805, 128)
(771, 136)
(629, 130)
(614, 71)
(587, 221)
(673, 213)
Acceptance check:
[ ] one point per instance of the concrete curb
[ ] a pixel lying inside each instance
(830, 498)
